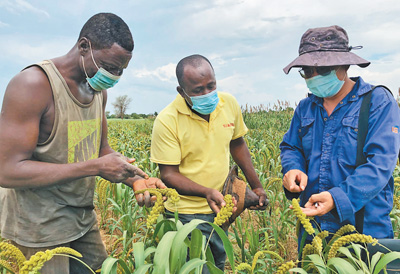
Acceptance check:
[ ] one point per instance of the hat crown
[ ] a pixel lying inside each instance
(333, 38)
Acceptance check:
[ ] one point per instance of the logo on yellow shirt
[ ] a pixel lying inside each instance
(229, 125)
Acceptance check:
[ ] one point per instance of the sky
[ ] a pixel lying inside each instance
(248, 42)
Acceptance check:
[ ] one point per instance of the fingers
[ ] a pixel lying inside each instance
(295, 180)
(262, 201)
(311, 201)
(139, 199)
(160, 184)
(137, 171)
(131, 160)
(302, 177)
(319, 204)
(310, 212)
(214, 207)
(234, 204)
(147, 200)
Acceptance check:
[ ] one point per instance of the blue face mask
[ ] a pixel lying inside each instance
(102, 79)
(324, 86)
(205, 104)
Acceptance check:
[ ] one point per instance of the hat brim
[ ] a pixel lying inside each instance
(326, 59)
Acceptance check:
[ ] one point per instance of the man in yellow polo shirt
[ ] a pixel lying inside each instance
(192, 140)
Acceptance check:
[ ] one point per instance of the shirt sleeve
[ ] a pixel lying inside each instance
(240, 126)
(292, 156)
(381, 150)
(165, 146)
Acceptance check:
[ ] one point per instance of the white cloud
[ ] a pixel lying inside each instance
(21, 6)
(2, 25)
(17, 48)
(164, 73)
(247, 41)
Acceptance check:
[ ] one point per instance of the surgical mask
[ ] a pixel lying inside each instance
(102, 79)
(325, 86)
(204, 104)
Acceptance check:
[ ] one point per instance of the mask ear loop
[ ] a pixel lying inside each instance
(345, 74)
(83, 64)
(91, 53)
(191, 103)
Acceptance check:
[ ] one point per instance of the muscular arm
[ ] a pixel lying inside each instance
(171, 176)
(27, 99)
(241, 155)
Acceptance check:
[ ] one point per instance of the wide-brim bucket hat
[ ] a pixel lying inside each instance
(326, 47)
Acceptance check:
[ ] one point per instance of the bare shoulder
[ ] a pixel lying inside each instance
(29, 91)
(104, 97)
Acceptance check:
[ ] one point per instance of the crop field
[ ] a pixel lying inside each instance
(261, 241)
(141, 240)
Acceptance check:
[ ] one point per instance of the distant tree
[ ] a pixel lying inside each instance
(135, 116)
(121, 105)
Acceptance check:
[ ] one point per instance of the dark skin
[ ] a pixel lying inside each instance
(200, 81)
(28, 114)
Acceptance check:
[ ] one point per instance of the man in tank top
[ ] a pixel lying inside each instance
(53, 142)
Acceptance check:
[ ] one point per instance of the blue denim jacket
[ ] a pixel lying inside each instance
(325, 147)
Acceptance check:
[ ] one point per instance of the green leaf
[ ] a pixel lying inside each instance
(162, 254)
(138, 254)
(124, 266)
(375, 258)
(357, 250)
(274, 254)
(149, 250)
(109, 266)
(347, 253)
(196, 244)
(213, 269)
(298, 270)
(386, 259)
(227, 244)
(341, 265)
(179, 252)
(143, 269)
(163, 227)
(318, 263)
(209, 256)
(192, 264)
(239, 242)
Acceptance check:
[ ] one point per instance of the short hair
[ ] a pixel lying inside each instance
(194, 60)
(105, 29)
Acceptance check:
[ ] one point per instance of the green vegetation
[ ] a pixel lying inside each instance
(257, 242)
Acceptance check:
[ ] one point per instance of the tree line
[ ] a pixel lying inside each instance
(121, 105)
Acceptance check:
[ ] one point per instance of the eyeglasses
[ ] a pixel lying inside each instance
(307, 72)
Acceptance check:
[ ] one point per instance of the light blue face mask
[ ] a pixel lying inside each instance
(205, 104)
(102, 79)
(325, 86)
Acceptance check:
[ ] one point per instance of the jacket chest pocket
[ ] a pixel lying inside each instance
(306, 135)
(348, 141)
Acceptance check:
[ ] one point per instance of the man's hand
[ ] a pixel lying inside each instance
(145, 198)
(116, 168)
(215, 200)
(319, 204)
(295, 180)
(263, 197)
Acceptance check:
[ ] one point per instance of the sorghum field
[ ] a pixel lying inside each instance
(141, 240)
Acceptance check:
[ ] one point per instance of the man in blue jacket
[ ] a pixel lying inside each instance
(319, 150)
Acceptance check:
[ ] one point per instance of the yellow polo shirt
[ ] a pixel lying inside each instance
(200, 148)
